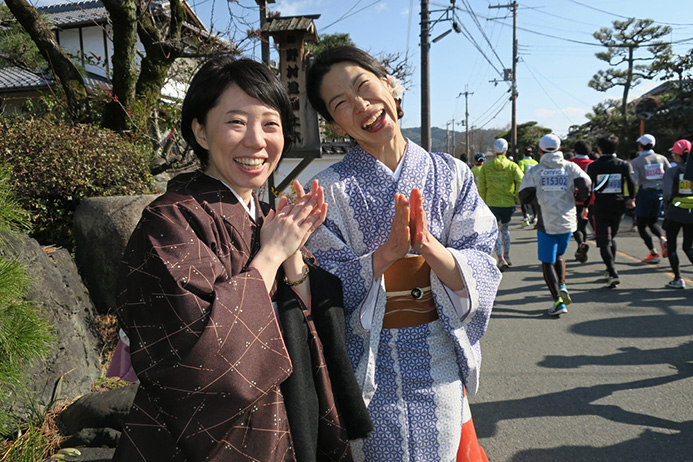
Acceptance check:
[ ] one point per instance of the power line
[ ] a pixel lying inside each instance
(478, 25)
(625, 17)
(547, 94)
(347, 15)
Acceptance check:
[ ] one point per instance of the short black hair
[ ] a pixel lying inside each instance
(212, 80)
(322, 64)
(608, 144)
(582, 147)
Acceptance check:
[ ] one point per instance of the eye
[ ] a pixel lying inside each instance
(273, 123)
(236, 121)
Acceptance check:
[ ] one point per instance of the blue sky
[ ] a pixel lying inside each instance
(556, 50)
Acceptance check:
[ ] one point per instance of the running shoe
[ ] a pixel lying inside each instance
(525, 223)
(663, 244)
(606, 275)
(558, 308)
(502, 264)
(565, 295)
(676, 284)
(507, 260)
(581, 254)
(651, 258)
(612, 282)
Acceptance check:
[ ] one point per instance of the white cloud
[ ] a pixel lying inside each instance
(296, 7)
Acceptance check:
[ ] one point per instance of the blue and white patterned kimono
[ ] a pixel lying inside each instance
(411, 378)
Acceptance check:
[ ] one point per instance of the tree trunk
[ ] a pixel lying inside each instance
(161, 52)
(118, 112)
(70, 78)
(626, 89)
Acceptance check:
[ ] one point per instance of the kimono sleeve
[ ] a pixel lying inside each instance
(471, 236)
(204, 342)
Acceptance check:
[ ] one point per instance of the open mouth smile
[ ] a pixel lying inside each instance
(250, 163)
(374, 121)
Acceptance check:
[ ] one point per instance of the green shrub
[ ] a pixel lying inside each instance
(56, 165)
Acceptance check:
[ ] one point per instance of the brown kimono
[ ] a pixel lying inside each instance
(220, 378)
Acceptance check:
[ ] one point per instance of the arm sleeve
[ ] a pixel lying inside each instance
(528, 190)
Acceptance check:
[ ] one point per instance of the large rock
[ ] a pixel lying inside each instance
(102, 228)
(61, 298)
(105, 409)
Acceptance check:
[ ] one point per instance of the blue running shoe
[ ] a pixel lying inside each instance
(565, 295)
(558, 308)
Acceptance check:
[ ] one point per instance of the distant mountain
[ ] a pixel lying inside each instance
(480, 140)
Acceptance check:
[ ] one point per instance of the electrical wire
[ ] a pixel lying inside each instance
(347, 15)
(547, 93)
(624, 17)
(478, 25)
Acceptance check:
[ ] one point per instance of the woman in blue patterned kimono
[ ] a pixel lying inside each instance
(411, 240)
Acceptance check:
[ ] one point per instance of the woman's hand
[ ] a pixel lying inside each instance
(320, 207)
(398, 243)
(420, 237)
(437, 256)
(287, 228)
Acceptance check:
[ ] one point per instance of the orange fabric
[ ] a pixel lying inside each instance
(470, 450)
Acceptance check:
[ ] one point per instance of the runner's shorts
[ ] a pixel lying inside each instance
(503, 214)
(551, 245)
(648, 203)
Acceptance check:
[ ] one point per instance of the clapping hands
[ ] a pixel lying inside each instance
(409, 229)
(287, 228)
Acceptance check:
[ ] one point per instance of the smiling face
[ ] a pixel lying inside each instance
(361, 105)
(244, 139)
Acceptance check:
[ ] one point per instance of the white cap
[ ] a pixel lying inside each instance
(500, 146)
(647, 139)
(550, 143)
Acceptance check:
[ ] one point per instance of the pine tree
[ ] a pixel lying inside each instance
(24, 335)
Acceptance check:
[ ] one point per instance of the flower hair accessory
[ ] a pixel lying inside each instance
(397, 88)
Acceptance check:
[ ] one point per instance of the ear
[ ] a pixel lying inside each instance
(340, 131)
(200, 134)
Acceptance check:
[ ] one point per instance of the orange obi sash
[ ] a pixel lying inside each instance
(409, 298)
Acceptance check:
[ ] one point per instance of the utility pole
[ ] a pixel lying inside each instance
(425, 76)
(466, 120)
(513, 87)
(264, 42)
(453, 138)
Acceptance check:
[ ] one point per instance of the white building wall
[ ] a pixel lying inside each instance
(92, 38)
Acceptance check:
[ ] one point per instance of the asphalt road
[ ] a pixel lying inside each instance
(611, 380)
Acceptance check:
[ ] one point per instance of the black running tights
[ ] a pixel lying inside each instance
(608, 253)
(673, 228)
(648, 222)
(554, 275)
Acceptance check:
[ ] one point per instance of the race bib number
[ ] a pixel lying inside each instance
(554, 180)
(684, 186)
(654, 171)
(609, 183)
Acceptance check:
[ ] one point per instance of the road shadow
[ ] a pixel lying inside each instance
(648, 447)
(673, 443)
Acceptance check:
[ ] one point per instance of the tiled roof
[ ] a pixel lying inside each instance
(14, 78)
(290, 24)
(17, 79)
(77, 13)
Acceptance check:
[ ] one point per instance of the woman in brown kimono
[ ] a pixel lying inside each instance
(237, 338)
